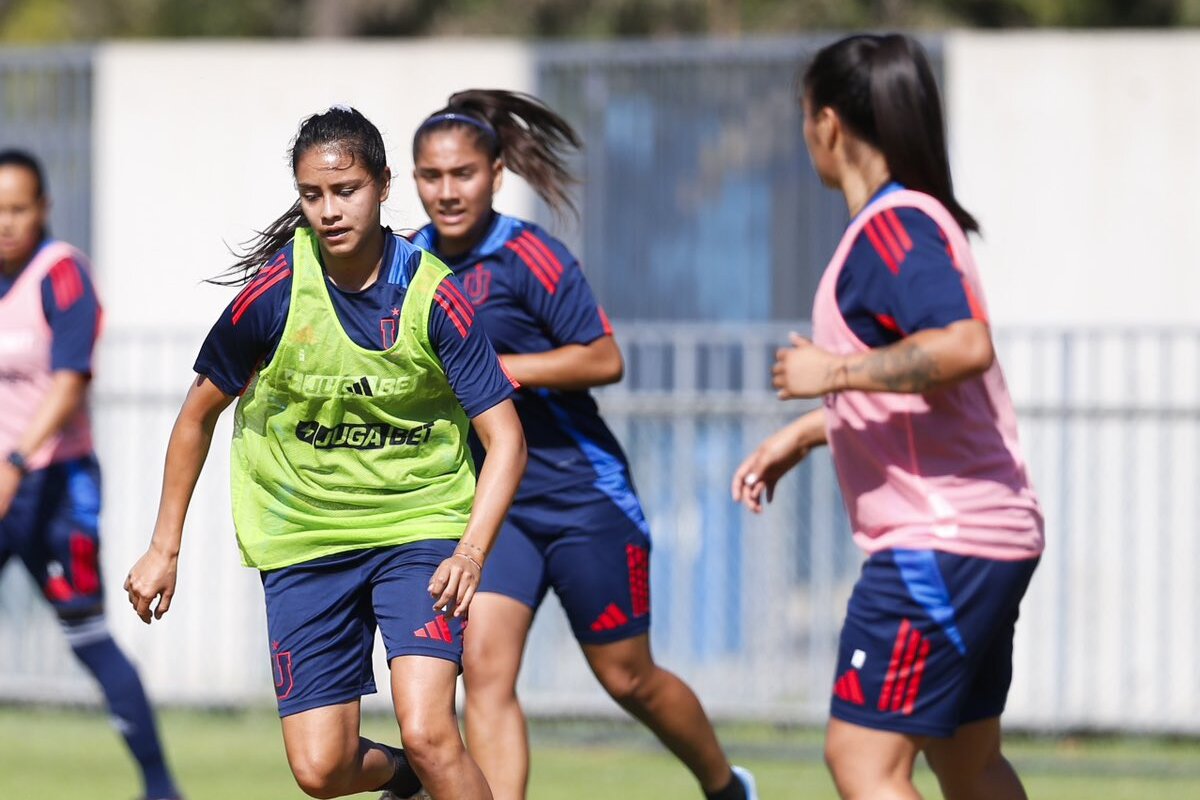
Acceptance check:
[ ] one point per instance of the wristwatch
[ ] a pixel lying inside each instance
(17, 460)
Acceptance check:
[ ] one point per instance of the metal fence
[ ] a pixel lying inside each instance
(46, 108)
(746, 608)
(697, 198)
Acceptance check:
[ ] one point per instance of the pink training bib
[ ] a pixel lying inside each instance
(941, 470)
(25, 363)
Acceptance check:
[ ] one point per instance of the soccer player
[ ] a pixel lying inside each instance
(353, 488)
(923, 435)
(576, 524)
(49, 479)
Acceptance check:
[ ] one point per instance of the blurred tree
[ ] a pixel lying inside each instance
(89, 20)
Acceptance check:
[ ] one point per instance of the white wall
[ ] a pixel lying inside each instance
(1079, 154)
(191, 144)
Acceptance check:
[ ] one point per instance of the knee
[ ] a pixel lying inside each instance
(628, 685)
(320, 775)
(431, 745)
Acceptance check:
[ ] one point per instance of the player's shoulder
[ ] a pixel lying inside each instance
(891, 235)
(67, 277)
(269, 289)
(524, 230)
(534, 252)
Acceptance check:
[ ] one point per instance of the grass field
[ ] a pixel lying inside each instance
(48, 754)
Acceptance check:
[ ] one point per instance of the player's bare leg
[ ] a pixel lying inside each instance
(664, 704)
(970, 766)
(496, 733)
(869, 764)
(423, 695)
(328, 757)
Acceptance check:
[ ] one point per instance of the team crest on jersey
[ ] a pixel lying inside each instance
(478, 283)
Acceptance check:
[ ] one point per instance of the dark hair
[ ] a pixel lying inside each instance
(517, 127)
(883, 89)
(339, 126)
(23, 158)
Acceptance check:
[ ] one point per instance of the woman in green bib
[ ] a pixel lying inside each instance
(356, 367)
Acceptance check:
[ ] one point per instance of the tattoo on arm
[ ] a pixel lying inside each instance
(902, 367)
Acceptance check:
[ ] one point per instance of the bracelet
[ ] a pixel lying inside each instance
(17, 460)
(478, 566)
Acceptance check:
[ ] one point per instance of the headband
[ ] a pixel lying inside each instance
(451, 116)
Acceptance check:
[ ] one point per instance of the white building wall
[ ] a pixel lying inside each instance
(1078, 152)
(192, 143)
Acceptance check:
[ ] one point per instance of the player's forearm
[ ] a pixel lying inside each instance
(571, 367)
(186, 454)
(497, 482)
(807, 431)
(922, 362)
(187, 450)
(68, 390)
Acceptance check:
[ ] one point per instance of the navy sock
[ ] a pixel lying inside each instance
(126, 698)
(734, 790)
(404, 782)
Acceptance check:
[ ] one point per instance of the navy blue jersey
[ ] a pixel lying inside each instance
(72, 311)
(245, 337)
(531, 296)
(900, 278)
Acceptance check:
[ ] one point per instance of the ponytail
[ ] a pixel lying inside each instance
(884, 91)
(532, 140)
(261, 247)
(339, 126)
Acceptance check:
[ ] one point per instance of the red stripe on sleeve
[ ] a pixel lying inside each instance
(451, 313)
(507, 374)
(528, 246)
(892, 266)
(248, 300)
(608, 329)
(56, 285)
(463, 304)
(67, 283)
(551, 260)
(244, 297)
(973, 303)
(898, 229)
(889, 239)
(538, 271)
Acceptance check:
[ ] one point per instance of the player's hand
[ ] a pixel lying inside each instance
(802, 370)
(755, 478)
(454, 584)
(151, 578)
(10, 481)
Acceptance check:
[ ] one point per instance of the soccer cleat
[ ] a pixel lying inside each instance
(747, 780)
(420, 795)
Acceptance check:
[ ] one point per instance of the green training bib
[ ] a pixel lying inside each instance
(337, 447)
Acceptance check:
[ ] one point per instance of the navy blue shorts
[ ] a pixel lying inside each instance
(927, 643)
(53, 527)
(591, 544)
(322, 615)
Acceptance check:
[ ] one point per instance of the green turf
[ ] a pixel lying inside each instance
(52, 753)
